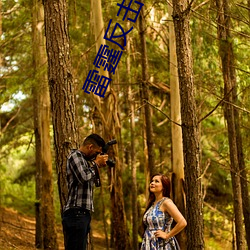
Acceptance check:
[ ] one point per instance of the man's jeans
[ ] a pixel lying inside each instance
(76, 226)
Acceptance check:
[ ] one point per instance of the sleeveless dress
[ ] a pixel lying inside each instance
(155, 220)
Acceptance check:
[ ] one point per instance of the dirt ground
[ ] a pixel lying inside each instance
(18, 232)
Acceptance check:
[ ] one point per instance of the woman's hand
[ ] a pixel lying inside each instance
(161, 234)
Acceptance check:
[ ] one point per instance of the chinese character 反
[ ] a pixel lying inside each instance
(113, 36)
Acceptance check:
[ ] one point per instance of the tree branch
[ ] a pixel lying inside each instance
(162, 112)
(10, 120)
(14, 8)
(200, 5)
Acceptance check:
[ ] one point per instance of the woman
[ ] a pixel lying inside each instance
(159, 215)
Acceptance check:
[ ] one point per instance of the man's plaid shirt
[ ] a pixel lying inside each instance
(80, 179)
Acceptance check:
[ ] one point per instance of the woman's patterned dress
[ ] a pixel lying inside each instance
(155, 220)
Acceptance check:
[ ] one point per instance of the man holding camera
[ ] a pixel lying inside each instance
(82, 173)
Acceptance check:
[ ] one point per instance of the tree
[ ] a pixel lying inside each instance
(176, 132)
(110, 123)
(1, 31)
(145, 97)
(230, 93)
(45, 218)
(243, 178)
(181, 16)
(132, 151)
(61, 85)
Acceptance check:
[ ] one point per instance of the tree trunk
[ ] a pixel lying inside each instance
(231, 116)
(176, 132)
(105, 226)
(1, 62)
(37, 122)
(132, 152)
(1, 32)
(46, 237)
(145, 95)
(108, 112)
(61, 86)
(189, 126)
(243, 179)
(248, 3)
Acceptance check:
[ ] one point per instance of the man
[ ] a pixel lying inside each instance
(81, 175)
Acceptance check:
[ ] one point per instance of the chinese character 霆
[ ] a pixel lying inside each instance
(108, 59)
(98, 84)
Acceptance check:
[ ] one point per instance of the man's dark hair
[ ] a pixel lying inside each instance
(94, 139)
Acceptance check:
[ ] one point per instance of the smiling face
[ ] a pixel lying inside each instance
(156, 184)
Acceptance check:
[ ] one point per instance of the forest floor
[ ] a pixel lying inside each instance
(18, 232)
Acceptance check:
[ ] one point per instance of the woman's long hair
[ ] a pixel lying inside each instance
(166, 185)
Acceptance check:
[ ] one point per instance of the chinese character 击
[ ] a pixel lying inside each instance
(129, 9)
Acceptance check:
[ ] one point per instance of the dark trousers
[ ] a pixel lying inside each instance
(76, 226)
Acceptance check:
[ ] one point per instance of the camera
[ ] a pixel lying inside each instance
(110, 162)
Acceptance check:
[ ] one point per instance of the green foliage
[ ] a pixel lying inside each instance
(26, 174)
(17, 168)
(18, 189)
(218, 228)
(19, 197)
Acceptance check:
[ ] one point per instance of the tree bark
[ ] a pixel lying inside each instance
(176, 132)
(1, 32)
(61, 87)
(181, 16)
(243, 178)
(132, 151)
(111, 129)
(1, 62)
(145, 96)
(105, 226)
(231, 116)
(46, 237)
(248, 3)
